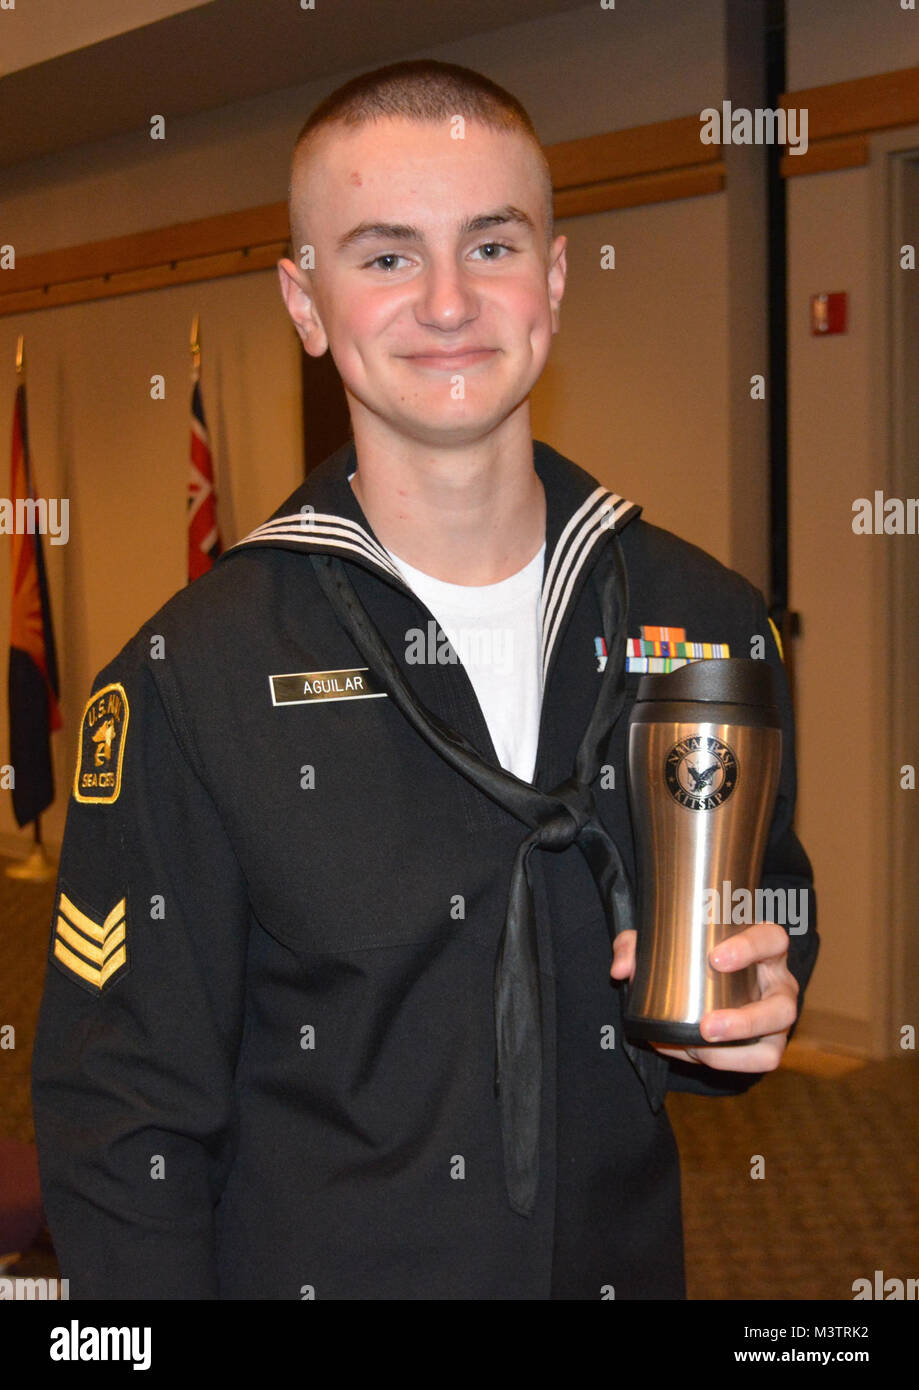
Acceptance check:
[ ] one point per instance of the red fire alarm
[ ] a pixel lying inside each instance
(828, 313)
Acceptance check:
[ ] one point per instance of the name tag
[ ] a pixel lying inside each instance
(305, 687)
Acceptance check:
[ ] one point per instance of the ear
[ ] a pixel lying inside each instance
(558, 270)
(295, 291)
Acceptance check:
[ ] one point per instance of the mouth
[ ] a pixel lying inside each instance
(450, 361)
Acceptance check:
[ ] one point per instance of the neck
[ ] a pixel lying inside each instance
(473, 514)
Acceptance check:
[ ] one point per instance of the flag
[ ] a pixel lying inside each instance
(203, 534)
(33, 678)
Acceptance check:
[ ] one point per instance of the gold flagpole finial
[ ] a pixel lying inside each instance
(195, 344)
(20, 355)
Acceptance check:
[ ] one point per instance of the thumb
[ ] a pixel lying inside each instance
(623, 966)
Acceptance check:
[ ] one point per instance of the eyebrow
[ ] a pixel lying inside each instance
(398, 231)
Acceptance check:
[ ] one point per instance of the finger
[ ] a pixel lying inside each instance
(761, 941)
(682, 1054)
(774, 1013)
(623, 955)
(764, 1055)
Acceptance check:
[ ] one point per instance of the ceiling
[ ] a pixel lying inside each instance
(69, 83)
(35, 33)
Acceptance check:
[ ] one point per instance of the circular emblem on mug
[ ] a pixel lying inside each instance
(701, 772)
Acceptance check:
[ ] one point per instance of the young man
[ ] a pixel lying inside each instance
(320, 1020)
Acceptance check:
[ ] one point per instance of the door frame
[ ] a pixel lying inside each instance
(896, 836)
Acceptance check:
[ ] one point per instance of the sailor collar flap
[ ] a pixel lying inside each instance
(324, 516)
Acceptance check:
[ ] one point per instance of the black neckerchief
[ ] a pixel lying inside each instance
(567, 815)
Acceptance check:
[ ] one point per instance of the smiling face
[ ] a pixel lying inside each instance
(433, 287)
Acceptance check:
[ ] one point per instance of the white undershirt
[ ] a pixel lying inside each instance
(495, 631)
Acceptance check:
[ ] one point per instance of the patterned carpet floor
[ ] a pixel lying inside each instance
(839, 1195)
(838, 1139)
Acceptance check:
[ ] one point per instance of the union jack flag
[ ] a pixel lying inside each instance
(203, 533)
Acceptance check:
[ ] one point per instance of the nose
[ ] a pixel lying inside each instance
(447, 300)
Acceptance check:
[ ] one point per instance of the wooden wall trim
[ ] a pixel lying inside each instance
(158, 277)
(621, 168)
(162, 246)
(618, 154)
(842, 110)
(848, 152)
(634, 192)
(862, 104)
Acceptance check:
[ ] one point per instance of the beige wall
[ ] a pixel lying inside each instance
(833, 579)
(839, 40)
(617, 396)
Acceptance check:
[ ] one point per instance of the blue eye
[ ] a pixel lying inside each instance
(386, 256)
(500, 245)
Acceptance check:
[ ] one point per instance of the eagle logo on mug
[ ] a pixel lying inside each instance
(700, 772)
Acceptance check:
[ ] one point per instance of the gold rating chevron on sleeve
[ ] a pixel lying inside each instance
(93, 951)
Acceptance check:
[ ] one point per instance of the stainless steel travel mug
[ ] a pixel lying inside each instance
(704, 755)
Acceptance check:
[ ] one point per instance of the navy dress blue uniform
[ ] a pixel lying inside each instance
(265, 1057)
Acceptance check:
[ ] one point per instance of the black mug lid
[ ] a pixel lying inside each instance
(728, 680)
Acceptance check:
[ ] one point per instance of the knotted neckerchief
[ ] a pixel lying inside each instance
(560, 818)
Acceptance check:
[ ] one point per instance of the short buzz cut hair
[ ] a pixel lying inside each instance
(420, 90)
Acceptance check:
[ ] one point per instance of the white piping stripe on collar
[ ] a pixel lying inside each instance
(306, 526)
(328, 535)
(296, 523)
(569, 527)
(564, 551)
(606, 509)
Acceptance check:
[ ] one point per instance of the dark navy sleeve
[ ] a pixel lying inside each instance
(133, 1064)
(785, 866)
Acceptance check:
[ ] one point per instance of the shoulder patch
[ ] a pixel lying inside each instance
(100, 752)
(91, 949)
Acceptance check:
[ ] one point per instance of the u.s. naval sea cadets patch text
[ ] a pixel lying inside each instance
(92, 949)
(303, 687)
(101, 749)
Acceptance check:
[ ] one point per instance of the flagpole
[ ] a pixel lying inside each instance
(36, 867)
